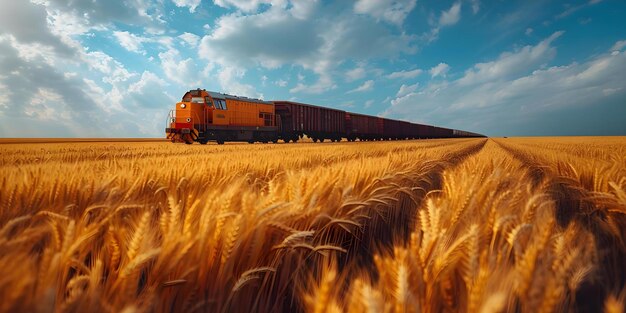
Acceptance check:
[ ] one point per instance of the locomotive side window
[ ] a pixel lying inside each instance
(208, 102)
(220, 104)
(267, 118)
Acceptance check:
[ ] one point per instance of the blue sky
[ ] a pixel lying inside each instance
(502, 68)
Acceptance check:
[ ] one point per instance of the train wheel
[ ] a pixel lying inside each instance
(220, 141)
(314, 139)
(275, 140)
(321, 139)
(250, 141)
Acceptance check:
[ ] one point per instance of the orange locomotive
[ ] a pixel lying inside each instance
(204, 115)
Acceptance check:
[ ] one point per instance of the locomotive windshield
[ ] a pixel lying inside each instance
(197, 99)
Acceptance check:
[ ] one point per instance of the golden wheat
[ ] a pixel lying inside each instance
(430, 226)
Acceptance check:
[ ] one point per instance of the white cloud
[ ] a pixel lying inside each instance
(475, 6)
(440, 70)
(368, 103)
(392, 11)
(182, 71)
(528, 31)
(451, 16)
(114, 70)
(355, 74)
(319, 45)
(366, 86)
(406, 90)
(570, 9)
(192, 4)
(280, 83)
(46, 104)
(519, 91)
(610, 91)
(618, 46)
(190, 39)
(447, 18)
(104, 13)
(149, 84)
(243, 5)
(27, 23)
(509, 63)
(323, 84)
(230, 81)
(405, 74)
(130, 42)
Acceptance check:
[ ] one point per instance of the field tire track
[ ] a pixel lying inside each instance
(381, 233)
(574, 204)
(405, 208)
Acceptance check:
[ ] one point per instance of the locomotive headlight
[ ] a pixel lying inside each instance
(182, 105)
(188, 120)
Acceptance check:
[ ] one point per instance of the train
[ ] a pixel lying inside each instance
(203, 116)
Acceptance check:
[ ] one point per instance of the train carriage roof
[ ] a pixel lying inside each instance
(217, 95)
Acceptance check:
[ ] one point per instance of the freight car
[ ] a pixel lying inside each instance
(318, 123)
(205, 116)
(362, 127)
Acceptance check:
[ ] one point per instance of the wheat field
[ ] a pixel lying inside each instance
(450, 225)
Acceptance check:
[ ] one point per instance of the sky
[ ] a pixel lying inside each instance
(83, 68)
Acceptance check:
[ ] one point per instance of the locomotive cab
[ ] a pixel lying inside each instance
(203, 116)
(190, 117)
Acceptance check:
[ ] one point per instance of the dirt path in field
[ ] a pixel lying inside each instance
(575, 204)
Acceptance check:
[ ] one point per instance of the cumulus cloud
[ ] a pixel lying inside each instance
(190, 39)
(191, 4)
(113, 70)
(230, 81)
(143, 92)
(406, 90)
(504, 94)
(405, 74)
(392, 11)
(510, 63)
(440, 70)
(181, 70)
(366, 86)
(451, 16)
(318, 45)
(27, 23)
(243, 5)
(130, 41)
(446, 18)
(355, 74)
(618, 46)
